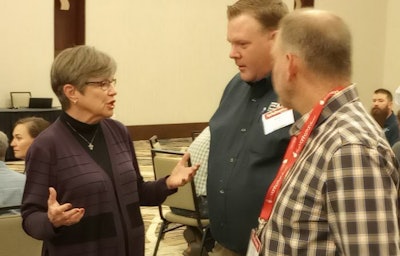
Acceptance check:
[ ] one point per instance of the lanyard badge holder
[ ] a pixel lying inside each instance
(293, 150)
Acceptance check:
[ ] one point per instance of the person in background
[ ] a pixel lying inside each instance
(24, 132)
(382, 111)
(337, 190)
(396, 150)
(199, 150)
(11, 182)
(84, 189)
(245, 148)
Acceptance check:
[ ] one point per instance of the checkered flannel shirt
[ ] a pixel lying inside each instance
(341, 195)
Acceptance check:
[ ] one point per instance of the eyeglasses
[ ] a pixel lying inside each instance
(105, 84)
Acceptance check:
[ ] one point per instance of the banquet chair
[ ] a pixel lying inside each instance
(195, 134)
(154, 143)
(14, 240)
(185, 198)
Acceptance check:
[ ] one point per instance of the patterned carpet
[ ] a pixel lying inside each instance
(173, 243)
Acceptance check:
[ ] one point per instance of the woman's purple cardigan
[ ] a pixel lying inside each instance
(112, 224)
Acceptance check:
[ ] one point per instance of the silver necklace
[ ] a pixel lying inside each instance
(90, 143)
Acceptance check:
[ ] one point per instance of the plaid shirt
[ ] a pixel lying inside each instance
(198, 150)
(341, 195)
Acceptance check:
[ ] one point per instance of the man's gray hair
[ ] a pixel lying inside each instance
(3, 145)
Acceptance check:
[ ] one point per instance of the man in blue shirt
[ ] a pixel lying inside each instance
(243, 157)
(382, 111)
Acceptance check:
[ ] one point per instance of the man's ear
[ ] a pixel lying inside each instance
(293, 65)
(390, 105)
(273, 34)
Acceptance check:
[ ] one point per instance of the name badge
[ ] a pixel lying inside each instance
(277, 119)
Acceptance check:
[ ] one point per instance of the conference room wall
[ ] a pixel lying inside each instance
(27, 43)
(172, 54)
(173, 57)
(391, 63)
(371, 23)
(375, 27)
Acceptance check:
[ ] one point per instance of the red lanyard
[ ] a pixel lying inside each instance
(293, 150)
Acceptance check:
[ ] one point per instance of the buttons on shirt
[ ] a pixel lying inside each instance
(221, 190)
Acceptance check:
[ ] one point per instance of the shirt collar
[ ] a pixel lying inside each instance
(348, 94)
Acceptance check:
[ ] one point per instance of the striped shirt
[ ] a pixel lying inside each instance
(341, 195)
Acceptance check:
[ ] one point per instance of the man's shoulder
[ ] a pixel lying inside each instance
(7, 175)
(391, 120)
(364, 131)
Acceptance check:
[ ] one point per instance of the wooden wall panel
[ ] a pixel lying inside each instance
(164, 131)
(69, 25)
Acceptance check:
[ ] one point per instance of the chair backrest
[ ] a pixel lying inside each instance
(154, 143)
(195, 134)
(185, 198)
(164, 162)
(14, 240)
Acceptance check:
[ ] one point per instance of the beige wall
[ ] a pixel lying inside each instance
(26, 48)
(367, 20)
(172, 54)
(391, 65)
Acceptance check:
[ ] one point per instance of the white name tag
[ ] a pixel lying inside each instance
(277, 119)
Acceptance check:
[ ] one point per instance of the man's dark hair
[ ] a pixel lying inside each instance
(384, 91)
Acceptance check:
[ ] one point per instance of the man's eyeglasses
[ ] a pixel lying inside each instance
(105, 84)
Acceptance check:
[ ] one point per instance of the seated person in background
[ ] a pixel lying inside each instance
(382, 111)
(24, 132)
(11, 182)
